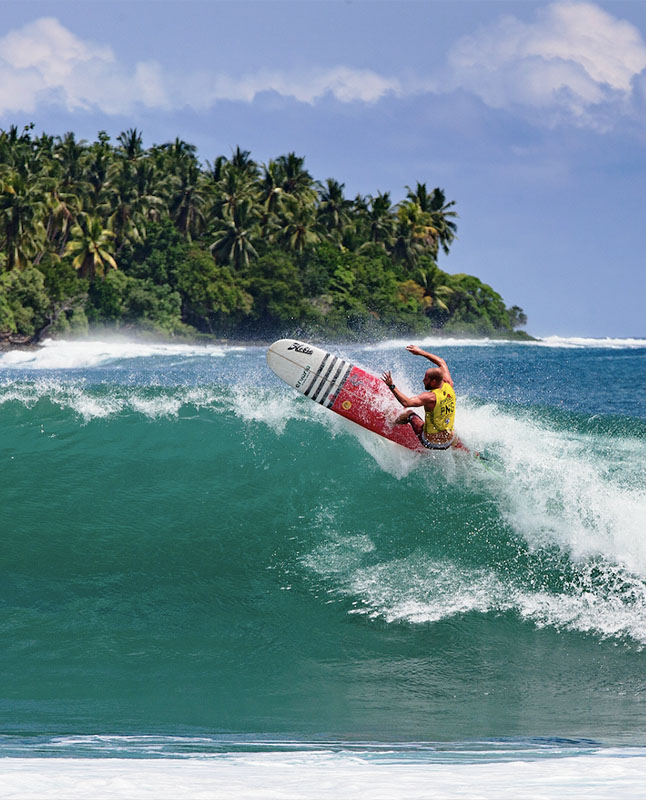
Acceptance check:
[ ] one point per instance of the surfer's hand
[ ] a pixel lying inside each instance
(387, 379)
(415, 350)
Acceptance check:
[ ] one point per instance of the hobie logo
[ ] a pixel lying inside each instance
(301, 348)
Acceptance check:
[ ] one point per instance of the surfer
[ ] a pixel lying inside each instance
(435, 431)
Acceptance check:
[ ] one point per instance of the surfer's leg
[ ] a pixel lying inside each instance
(407, 416)
(417, 424)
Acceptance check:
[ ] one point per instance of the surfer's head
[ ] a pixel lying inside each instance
(432, 379)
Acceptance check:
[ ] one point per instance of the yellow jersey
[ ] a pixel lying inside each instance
(442, 417)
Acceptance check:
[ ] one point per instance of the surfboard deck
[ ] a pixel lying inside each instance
(342, 387)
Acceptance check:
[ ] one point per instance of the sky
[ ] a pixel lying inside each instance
(530, 115)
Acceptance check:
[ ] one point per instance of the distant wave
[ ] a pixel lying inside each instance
(63, 354)
(547, 341)
(580, 341)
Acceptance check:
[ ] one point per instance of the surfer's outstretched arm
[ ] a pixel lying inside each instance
(440, 362)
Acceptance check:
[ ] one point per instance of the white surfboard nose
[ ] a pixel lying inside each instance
(314, 372)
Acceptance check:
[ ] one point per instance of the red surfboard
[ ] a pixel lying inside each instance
(342, 387)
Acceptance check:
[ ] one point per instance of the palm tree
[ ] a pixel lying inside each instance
(179, 151)
(298, 227)
(63, 208)
(409, 235)
(236, 232)
(91, 246)
(125, 208)
(271, 189)
(214, 170)
(230, 181)
(242, 162)
(188, 200)
(22, 209)
(16, 151)
(441, 227)
(96, 165)
(295, 179)
(68, 155)
(334, 209)
(234, 187)
(130, 144)
(440, 215)
(42, 154)
(381, 221)
(437, 285)
(420, 196)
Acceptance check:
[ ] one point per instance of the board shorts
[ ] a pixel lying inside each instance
(435, 445)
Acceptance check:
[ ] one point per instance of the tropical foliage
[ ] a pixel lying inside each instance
(111, 233)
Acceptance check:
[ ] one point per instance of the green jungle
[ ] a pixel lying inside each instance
(111, 235)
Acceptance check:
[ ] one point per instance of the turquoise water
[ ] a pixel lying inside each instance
(193, 552)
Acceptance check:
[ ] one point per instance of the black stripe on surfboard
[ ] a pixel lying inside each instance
(315, 378)
(332, 398)
(342, 364)
(322, 399)
(324, 379)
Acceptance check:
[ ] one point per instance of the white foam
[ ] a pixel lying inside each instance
(92, 403)
(437, 342)
(565, 488)
(572, 342)
(612, 343)
(323, 775)
(557, 493)
(418, 590)
(62, 354)
(274, 409)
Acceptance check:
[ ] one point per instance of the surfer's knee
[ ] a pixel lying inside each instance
(416, 423)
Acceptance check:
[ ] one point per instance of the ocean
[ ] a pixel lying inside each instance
(213, 587)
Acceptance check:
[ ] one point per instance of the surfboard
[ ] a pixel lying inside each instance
(341, 386)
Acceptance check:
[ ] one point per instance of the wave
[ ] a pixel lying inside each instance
(60, 354)
(92, 402)
(579, 342)
(549, 529)
(560, 342)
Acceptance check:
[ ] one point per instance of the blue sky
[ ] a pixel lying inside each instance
(531, 116)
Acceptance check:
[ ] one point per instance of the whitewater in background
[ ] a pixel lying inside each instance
(202, 566)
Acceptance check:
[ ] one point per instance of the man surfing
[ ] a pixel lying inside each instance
(435, 431)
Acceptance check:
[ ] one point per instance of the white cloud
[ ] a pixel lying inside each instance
(573, 59)
(43, 62)
(573, 62)
(344, 84)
